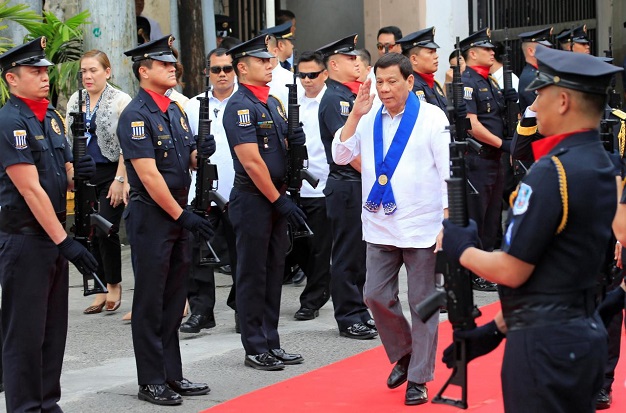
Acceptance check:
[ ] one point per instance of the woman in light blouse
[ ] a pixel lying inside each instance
(102, 106)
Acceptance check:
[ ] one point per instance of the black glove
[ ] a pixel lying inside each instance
(479, 341)
(461, 111)
(297, 137)
(511, 95)
(506, 145)
(78, 255)
(457, 239)
(287, 208)
(85, 168)
(195, 224)
(612, 304)
(207, 146)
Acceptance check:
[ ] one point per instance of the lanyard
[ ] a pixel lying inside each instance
(89, 114)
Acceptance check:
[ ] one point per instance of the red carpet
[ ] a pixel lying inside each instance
(358, 384)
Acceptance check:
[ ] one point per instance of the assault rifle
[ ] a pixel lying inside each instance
(86, 218)
(206, 177)
(456, 292)
(511, 109)
(297, 157)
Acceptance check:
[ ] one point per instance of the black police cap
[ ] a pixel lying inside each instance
(282, 31)
(578, 71)
(160, 49)
(579, 34)
(421, 38)
(222, 25)
(481, 38)
(344, 45)
(255, 47)
(28, 54)
(541, 36)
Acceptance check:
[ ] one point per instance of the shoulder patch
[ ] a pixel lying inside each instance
(55, 126)
(20, 139)
(138, 130)
(281, 110)
(244, 117)
(183, 123)
(618, 114)
(345, 108)
(467, 93)
(523, 199)
(420, 95)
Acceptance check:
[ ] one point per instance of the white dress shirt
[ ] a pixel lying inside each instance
(281, 77)
(499, 76)
(318, 164)
(418, 182)
(222, 156)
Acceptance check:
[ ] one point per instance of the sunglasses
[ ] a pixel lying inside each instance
(381, 46)
(310, 75)
(217, 69)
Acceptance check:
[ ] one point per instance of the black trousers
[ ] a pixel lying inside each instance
(34, 278)
(485, 208)
(161, 257)
(343, 206)
(201, 287)
(261, 235)
(312, 254)
(107, 249)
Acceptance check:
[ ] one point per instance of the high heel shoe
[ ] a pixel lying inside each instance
(114, 305)
(94, 309)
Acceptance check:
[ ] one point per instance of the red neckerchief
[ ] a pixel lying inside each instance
(353, 86)
(482, 70)
(428, 78)
(39, 107)
(535, 65)
(162, 101)
(261, 92)
(545, 145)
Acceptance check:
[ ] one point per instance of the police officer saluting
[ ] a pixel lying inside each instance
(560, 224)
(256, 128)
(421, 49)
(159, 151)
(35, 174)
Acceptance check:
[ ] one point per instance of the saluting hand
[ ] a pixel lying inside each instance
(364, 100)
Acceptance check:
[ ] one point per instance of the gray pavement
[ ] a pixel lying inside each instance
(99, 373)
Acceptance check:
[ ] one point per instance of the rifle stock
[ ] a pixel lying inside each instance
(86, 219)
(297, 157)
(456, 293)
(206, 178)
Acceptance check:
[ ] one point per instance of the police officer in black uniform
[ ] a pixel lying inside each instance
(485, 105)
(343, 195)
(159, 150)
(421, 49)
(256, 128)
(560, 223)
(530, 41)
(575, 40)
(35, 175)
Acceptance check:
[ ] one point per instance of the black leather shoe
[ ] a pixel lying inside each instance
(480, 284)
(286, 358)
(263, 361)
(159, 394)
(298, 277)
(237, 328)
(415, 394)
(197, 322)
(186, 388)
(399, 372)
(358, 331)
(604, 399)
(371, 324)
(306, 314)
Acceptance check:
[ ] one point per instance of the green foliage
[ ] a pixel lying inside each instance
(64, 48)
(22, 15)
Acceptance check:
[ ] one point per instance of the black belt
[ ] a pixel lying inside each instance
(245, 184)
(344, 173)
(24, 222)
(526, 311)
(484, 150)
(140, 194)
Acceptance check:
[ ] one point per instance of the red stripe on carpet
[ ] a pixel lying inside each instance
(358, 384)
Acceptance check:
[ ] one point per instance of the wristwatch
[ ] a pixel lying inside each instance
(119, 179)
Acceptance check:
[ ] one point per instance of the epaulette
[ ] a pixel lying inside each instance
(493, 79)
(62, 121)
(619, 114)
